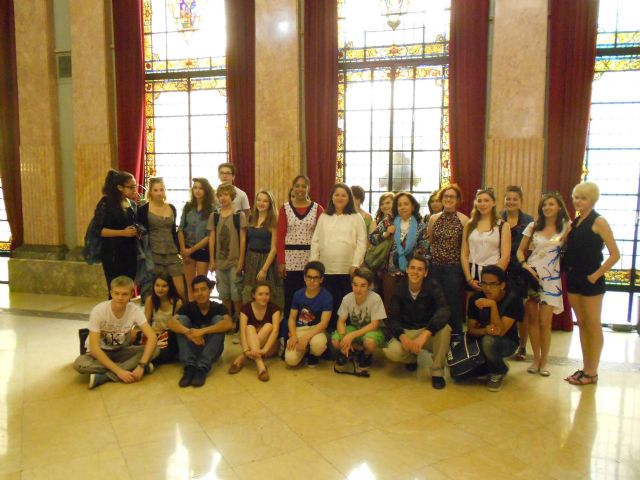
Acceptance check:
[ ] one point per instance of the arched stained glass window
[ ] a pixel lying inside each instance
(393, 96)
(186, 102)
(613, 145)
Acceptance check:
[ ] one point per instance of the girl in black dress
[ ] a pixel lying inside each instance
(115, 220)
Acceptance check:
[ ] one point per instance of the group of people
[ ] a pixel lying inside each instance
(298, 281)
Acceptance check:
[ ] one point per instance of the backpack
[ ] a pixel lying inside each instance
(92, 243)
(464, 357)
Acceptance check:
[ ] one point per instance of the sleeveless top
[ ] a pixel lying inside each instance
(259, 239)
(446, 239)
(297, 241)
(584, 247)
(161, 234)
(160, 318)
(484, 247)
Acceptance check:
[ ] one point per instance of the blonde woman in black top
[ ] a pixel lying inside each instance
(585, 269)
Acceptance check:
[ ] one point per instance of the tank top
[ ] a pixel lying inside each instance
(584, 247)
(297, 241)
(446, 239)
(484, 247)
(259, 239)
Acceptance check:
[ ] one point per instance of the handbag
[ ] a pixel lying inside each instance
(464, 357)
(377, 255)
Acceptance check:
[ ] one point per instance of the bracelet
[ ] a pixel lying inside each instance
(142, 365)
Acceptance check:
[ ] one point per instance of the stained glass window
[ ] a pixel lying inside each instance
(613, 147)
(186, 103)
(393, 96)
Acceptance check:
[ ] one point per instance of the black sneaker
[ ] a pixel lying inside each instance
(149, 369)
(312, 360)
(365, 360)
(438, 383)
(199, 377)
(411, 367)
(187, 377)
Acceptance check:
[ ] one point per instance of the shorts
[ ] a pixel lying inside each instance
(168, 263)
(229, 284)
(201, 255)
(377, 336)
(578, 284)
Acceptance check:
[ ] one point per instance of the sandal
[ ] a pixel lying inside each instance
(263, 376)
(575, 375)
(235, 368)
(584, 379)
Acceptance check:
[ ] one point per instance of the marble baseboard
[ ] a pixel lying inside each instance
(58, 277)
(41, 252)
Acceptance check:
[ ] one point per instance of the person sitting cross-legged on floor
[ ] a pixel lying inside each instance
(110, 355)
(493, 316)
(359, 318)
(418, 319)
(200, 326)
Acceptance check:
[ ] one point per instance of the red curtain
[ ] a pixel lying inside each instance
(572, 39)
(129, 62)
(9, 125)
(321, 94)
(241, 83)
(468, 46)
(573, 30)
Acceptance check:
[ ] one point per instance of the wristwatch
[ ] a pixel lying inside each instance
(142, 365)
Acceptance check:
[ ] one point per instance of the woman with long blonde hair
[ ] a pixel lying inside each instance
(486, 239)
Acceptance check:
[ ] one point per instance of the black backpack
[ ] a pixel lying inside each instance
(92, 243)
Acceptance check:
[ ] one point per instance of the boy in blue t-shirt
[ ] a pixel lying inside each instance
(311, 309)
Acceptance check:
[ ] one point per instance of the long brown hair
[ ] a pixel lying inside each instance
(207, 200)
(272, 215)
(379, 214)
(562, 217)
(475, 214)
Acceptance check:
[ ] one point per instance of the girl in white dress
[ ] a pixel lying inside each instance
(544, 239)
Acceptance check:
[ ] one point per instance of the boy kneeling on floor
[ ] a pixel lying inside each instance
(110, 355)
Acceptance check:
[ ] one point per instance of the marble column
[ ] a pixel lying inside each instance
(93, 104)
(278, 145)
(39, 140)
(515, 143)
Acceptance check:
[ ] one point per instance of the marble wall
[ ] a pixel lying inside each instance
(39, 140)
(516, 110)
(278, 95)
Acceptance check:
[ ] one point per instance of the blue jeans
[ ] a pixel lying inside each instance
(451, 279)
(495, 349)
(202, 357)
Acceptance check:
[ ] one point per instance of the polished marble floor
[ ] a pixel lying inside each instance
(304, 423)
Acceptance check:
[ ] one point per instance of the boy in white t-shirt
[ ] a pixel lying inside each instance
(359, 318)
(110, 356)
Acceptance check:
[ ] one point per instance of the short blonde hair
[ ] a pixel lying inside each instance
(588, 189)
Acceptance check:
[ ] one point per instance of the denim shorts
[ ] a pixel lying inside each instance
(229, 284)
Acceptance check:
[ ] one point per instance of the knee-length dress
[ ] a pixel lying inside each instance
(545, 259)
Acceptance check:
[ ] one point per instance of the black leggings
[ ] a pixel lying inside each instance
(116, 264)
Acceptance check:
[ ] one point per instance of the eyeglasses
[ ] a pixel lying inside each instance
(490, 284)
(452, 196)
(225, 172)
(313, 278)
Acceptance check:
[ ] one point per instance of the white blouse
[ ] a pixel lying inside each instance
(339, 242)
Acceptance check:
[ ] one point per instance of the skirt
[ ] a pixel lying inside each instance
(252, 265)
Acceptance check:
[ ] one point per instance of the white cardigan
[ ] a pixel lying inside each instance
(339, 242)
